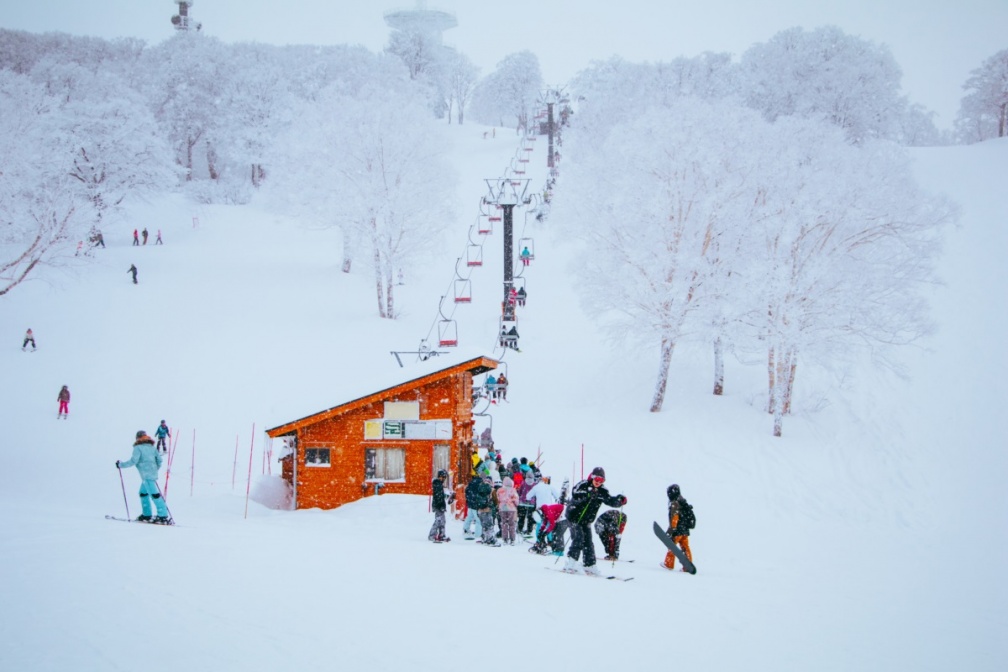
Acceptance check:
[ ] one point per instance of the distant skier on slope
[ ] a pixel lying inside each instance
(147, 460)
(64, 402)
(162, 433)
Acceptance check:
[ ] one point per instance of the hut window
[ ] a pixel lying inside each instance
(385, 464)
(317, 457)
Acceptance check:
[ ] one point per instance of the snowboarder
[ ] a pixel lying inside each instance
(133, 270)
(440, 499)
(161, 433)
(609, 528)
(136, 237)
(64, 402)
(681, 521)
(147, 460)
(29, 337)
(144, 234)
(586, 499)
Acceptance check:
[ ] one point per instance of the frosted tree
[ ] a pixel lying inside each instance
(659, 203)
(254, 106)
(38, 205)
(828, 76)
(509, 92)
(846, 245)
(109, 135)
(373, 164)
(983, 111)
(461, 75)
(187, 72)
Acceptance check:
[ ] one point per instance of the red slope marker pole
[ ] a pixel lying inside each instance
(248, 485)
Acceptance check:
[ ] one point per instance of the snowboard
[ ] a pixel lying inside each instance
(665, 539)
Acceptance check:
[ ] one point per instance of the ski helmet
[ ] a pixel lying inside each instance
(141, 433)
(673, 492)
(598, 472)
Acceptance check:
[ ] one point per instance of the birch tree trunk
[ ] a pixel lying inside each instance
(667, 346)
(718, 367)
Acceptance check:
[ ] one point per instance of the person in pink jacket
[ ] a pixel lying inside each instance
(507, 498)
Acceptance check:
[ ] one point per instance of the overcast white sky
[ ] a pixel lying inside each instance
(936, 42)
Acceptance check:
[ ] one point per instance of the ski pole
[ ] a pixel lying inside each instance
(165, 500)
(123, 483)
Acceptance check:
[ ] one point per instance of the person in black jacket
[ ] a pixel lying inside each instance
(586, 499)
(609, 528)
(681, 521)
(439, 504)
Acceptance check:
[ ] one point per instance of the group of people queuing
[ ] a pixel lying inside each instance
(508, 499)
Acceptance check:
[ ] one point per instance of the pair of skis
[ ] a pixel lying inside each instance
(147, 522)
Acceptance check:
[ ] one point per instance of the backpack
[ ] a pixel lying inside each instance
(687, 515)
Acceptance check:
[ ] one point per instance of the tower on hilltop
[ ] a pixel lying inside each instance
(181, 21)
(421, 19)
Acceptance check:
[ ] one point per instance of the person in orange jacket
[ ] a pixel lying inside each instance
(681, 521)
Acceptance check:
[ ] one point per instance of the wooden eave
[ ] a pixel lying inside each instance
(475, 366)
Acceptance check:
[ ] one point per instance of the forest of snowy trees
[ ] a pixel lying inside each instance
(764, 203)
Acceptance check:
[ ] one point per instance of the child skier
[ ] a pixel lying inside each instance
(609, 528)
(64, 402)
(147, 460)
(29, 337)
(161, 433)
(681, 521)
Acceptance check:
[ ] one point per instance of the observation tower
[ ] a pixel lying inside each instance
(421, 19)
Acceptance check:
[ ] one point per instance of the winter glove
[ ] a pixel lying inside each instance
(622, 500)
(117, 465)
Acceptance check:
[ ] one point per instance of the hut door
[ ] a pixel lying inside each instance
(442, 455)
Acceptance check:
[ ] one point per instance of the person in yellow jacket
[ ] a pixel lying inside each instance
(681, 521)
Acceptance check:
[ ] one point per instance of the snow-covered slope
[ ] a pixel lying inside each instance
(871, 536)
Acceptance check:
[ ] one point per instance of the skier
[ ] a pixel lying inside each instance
(133, 270)
(542, 494)
(526, 256)
(586, 499)
(158, 241)
(161, 433)
(609, 528)
(29, 337)
(64, 402)
(440, 499)
(507, 500)
(144, 234)
(681, 521)
(136, 237)
(147, 460)
(526, 505)
(472, 520)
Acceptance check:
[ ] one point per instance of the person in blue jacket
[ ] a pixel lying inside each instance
(147, 460)
(162, 433)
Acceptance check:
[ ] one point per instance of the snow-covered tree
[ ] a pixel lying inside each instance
(509, 92)
(461, 75)
(185, 87)
(660, 205)
(38, 204)
(109, 134)
(846, 242)
(983, 111)
(829, 76)
(373, 164)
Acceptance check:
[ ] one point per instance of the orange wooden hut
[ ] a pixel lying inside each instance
(391, 441)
